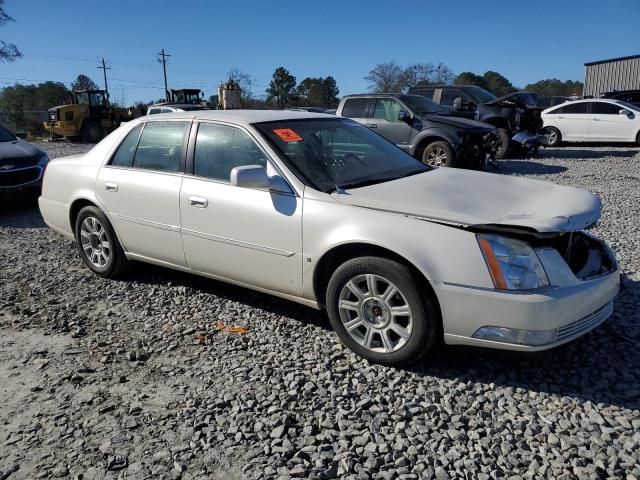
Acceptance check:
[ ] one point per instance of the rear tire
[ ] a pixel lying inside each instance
(504, 140)
(438, 154)
(638, 139)
(98, 245)
(554, 137)
(378, 311)
(92, 132)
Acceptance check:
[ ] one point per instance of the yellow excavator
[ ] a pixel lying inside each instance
(89, 116)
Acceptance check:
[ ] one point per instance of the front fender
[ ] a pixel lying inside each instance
(434, 134)
(440, 252)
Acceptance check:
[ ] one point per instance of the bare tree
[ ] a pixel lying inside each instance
(8, 51)
(386, 77)
(244, 81)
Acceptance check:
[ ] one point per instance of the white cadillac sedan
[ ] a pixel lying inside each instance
(592, 120)
(320, 210)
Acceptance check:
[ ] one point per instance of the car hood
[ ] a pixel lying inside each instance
(524, 99)
(18, 152)
(460, 122)
(467, 198)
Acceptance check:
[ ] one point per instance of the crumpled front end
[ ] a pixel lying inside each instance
(583, 280)
(478, 149)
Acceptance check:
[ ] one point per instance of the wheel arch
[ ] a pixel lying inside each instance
(75, 207)
(428, 138)
(338, 254)
(498, 122)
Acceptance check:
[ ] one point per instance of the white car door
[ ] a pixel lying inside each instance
(140, 189)
(608, 125)
(572, 120)
(252, 236)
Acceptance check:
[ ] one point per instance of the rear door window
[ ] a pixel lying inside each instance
(160, 146)
(355, 107)
(571, 108)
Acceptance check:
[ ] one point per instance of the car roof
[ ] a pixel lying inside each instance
(583, 100)
(356, 95)
(239, 116)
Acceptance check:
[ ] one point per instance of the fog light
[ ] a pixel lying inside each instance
(533, 338)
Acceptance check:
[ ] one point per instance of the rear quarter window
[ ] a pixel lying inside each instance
(127, 149)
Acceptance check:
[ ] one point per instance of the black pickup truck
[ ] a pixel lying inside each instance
(423, 129)
(516, 115)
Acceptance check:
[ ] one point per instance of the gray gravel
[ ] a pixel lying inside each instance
(137, 379)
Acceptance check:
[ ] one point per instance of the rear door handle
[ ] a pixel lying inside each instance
(372, 125)
(596, 119)
(199, 202)
(111, 187)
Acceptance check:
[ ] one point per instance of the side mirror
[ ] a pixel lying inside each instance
(250, 176)
(624, 111)
(21, 135)
(404, 116)
(255, 176)
(457, 103)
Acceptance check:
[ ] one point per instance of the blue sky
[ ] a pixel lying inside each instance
(525, 41)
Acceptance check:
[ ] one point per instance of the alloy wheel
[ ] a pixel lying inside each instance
(95, 242)
(375, 313)
(437, 156)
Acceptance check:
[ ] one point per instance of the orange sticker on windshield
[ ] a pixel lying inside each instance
(287, 135)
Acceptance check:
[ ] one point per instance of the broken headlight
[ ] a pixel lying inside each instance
(512, 263)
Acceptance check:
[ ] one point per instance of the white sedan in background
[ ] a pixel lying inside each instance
(592, 120)
(320, 210)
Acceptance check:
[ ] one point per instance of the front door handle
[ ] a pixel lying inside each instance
(199, 202)
(372, 125)
(596, 119)
(111, 187)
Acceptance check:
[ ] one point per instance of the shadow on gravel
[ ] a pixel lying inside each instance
(586, 154)
(600, 367)
(20, 210)
(152, 275)
(524, 167)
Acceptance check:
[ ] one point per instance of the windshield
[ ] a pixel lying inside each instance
(480, 94)
(6, 135)
(628, 105)
(421, 105)
(338, 153)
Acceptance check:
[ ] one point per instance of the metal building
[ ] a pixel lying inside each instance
(621, 73)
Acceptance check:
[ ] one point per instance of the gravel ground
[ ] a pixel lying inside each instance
(143, 378)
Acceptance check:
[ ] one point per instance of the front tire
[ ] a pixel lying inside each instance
(504, 141)
(438, 154)
(378, 311)
(554, 137)
(92, 132)
(98, 245)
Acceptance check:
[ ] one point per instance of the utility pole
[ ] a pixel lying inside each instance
(104, 69)
(162, 58)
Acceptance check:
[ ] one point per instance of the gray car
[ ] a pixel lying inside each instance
(424, 129)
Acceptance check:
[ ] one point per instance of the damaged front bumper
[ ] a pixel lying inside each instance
(584, 280)
(530, 141)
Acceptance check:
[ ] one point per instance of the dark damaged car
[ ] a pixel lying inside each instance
(516, 115)
(21, 163)
(424, 129)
